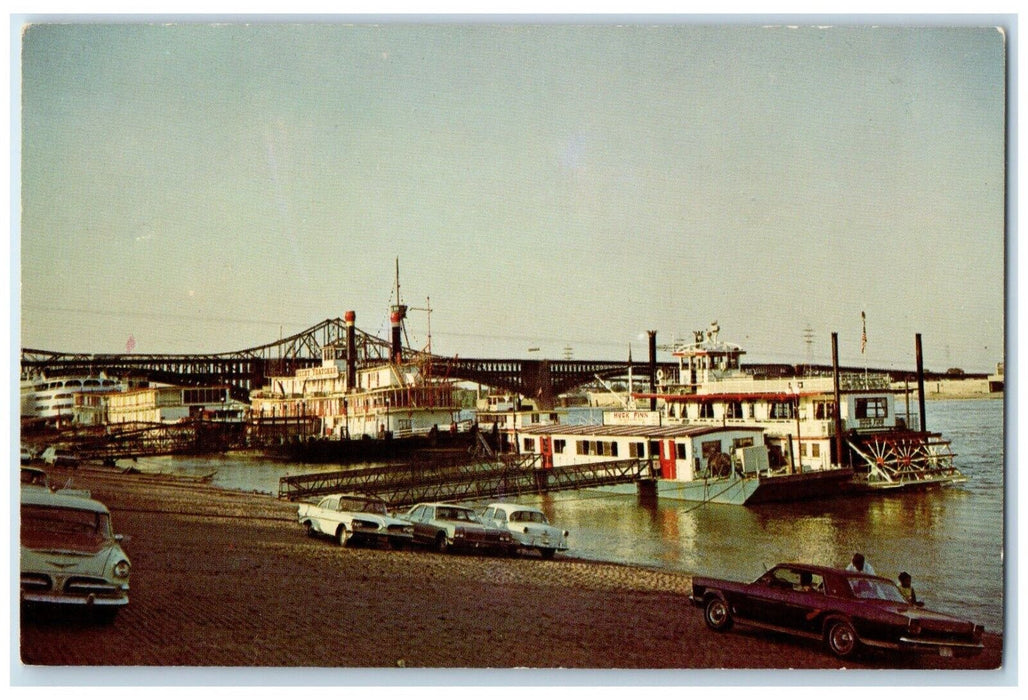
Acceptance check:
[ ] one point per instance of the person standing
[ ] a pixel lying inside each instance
(906, 588)
(860, 565)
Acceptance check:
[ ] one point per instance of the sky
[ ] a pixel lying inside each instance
(549, 190)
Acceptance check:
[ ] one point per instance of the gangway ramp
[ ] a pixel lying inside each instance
(404, 485)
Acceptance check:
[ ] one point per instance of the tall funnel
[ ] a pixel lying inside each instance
(399, 313)
(653, 369)
(350, 318)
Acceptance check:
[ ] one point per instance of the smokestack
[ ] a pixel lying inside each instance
(920, 381)
(350, 318)
(838, 397)
(396, 318)
(653, 369)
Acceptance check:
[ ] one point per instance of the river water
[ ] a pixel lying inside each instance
(950, 540)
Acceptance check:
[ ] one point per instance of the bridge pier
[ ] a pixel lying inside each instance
(535, 377)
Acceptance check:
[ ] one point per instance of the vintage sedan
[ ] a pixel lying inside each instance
(847, 610)
(70, 557)
(529, 526)
(352, 518)
(445, 526)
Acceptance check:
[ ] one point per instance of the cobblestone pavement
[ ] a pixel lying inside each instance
(229, 579)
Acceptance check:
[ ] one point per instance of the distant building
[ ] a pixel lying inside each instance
(996, 380)
(169, 404)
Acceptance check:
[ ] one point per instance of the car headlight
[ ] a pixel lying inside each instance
(408, 530)
(121, 569)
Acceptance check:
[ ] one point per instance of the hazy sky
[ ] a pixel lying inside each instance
(206, 188)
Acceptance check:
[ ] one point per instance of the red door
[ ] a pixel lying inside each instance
(546, 448)
(667, 459)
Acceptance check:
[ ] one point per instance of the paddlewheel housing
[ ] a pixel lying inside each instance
(905, 459)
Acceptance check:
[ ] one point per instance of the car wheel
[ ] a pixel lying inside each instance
(718, 615)
(309, 528)
(547, 552)
(841, 639)
(344, 536)
(397, 544)
(440, 543)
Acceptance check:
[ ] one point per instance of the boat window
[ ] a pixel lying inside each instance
(742, 442)
(582, 447)
(529, 445)
(781, 410)
(876, 407)
(711, 448)
(680, 450)
(559, 445)
(824, 410)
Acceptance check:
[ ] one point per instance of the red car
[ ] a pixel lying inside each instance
(847, 610)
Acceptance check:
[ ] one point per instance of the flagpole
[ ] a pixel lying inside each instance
(863, 343)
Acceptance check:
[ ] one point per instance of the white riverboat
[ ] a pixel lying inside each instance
(886, 446)
(394, 399)
(52, 398)
(504, 416)
(705, 463)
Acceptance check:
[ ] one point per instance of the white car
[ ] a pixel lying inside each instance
(70, 557)
(354, 517)
(529, 527)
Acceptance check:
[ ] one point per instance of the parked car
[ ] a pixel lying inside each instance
(34, 476)
(354, 518)
(445, 526)
(529, 527)
(69, 554)
(847, 610)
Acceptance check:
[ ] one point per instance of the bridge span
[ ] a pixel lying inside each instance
(243, 370)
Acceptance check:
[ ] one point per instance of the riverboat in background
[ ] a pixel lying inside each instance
(52, 398)
(887, 449)
(342, 412)
(704, 463)
(503, 416)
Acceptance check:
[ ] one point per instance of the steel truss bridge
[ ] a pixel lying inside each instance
(244, 370)
(252, 368)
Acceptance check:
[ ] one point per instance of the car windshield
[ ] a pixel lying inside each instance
(45, 527)
(455, 514)
(875, 589)
(527, 516)
(359, 505)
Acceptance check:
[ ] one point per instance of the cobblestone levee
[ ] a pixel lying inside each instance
(228, 579)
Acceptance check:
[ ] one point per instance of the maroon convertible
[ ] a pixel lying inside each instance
(845, 609)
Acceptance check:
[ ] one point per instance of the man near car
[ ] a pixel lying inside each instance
(860, 565)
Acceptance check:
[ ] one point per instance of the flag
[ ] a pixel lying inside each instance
(863, 332)
(130, 344)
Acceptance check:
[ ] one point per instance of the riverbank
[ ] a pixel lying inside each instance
(224, 578)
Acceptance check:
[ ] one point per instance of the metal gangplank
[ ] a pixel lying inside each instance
(407, 484)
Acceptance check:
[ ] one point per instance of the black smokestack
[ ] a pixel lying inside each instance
(653, 369)
(351, 349)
